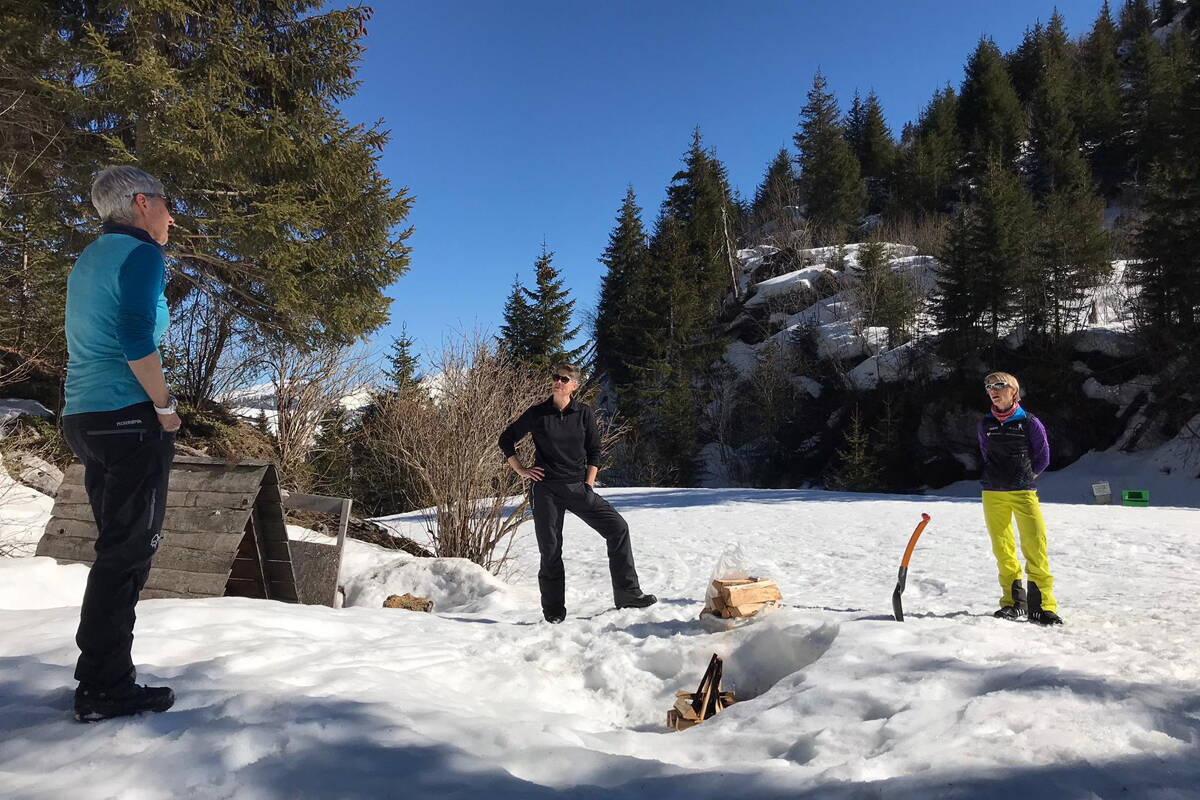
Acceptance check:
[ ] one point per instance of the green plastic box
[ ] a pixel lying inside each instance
(1135, 497)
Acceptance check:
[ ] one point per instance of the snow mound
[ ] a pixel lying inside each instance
(455, 585)
(38, 582)
(789, 282)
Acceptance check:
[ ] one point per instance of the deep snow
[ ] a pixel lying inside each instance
(482, 699)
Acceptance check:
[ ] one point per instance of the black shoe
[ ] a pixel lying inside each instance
(1043, 617)
(554, 619)
(641, 601)
(1009, 612)
(92, 705)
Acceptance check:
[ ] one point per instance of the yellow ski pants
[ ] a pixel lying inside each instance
(999, 508)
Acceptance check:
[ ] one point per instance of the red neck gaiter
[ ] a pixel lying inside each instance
(1005, 416)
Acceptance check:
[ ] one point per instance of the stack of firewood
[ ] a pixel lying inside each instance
(692, 708)
(742, 597)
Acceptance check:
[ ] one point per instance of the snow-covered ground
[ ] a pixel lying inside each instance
(482, 699)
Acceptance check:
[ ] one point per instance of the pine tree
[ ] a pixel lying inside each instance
(873, 145)
(877, 151)
(927, 173)
(262, 424)
(1057, 161)
(1168, 271)
(402, 364)
(518, 335)
(1001, 246)
(1169, 73)
(1139, 68)
(699, 198)
(1073, 254)
(990, 117)
(830, 182)
(283, 212)
(886, 297)
(1099, 89)
(777, 191)
(988, 258)
(858, 470)
(955, 305)
(617, 321)
(551, 308)
(1025, 63)
(1136, 19)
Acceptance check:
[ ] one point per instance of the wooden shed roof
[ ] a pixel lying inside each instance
(224, 531)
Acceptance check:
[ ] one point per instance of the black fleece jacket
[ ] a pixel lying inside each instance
(566, 441)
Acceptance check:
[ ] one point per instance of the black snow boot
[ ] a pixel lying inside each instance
(1036, 612)
(641, 601)
(92, 705)
(1019, 607)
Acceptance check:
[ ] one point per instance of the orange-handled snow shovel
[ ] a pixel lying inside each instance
(897, 606)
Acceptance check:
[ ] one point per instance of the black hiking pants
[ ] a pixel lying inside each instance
(126, 458)
(551, 501)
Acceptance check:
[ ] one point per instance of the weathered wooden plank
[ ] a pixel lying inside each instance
(75, 495)
(73, 476)
(284, 592)
(314, 502)
(279, 572)
(81, 529)
(200, 520)
(68, 548)
(277, 551)
(271, 530)
(176, 580)
(205, 475)
(168, 594)
(215, 479)
(245, 587)
(191, 560)
(244, 569)
(220, 462)
(225, 543)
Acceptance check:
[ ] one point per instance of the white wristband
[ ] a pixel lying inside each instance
(169, 410)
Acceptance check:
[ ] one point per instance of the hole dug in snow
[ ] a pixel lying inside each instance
(769, 655)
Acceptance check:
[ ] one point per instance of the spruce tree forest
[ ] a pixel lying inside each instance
(1037, 192)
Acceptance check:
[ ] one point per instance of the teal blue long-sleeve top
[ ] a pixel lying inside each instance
(116, 313)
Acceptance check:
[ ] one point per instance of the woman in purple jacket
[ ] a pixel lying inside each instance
(1015, 451)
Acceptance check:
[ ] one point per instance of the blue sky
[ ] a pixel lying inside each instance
(521, 121)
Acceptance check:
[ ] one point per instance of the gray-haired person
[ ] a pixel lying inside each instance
(120, 421)
(567, 447)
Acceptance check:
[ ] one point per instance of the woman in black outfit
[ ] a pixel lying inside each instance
(564, 473)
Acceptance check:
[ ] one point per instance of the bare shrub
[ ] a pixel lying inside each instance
(926, 232)
(210, 352)
(444, 435)
(307, 385)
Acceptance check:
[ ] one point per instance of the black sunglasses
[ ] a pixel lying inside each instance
(997, 386)
(562, 379)
(170, 204)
